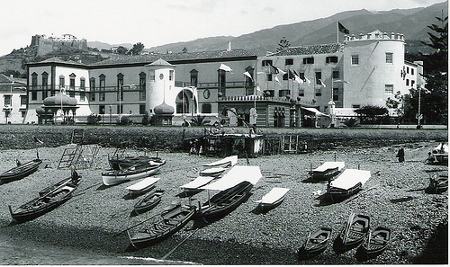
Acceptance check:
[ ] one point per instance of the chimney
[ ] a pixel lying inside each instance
(229, 46)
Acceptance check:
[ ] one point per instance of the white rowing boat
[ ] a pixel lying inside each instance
(225, 162)
(328, 169)
(273, 198)
(192, 187)
(142, 186)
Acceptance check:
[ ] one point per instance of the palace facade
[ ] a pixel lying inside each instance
(284, 89)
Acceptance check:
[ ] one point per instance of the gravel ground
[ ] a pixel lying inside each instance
(95, 218)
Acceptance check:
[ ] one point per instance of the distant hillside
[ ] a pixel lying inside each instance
(411, 22)
(106, 46)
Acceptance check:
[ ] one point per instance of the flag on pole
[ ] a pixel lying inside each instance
(281, 71)
(307, 81)
(258, 88)
(248, 75)
(322, 83)
(272, 69)
(225, 67)
(276, 79)
(342, 28)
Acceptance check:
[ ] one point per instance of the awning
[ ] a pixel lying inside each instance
(349, 178)
(199, 181)
(235, 176)
(315, 111)
(330, 165)
(274, 195)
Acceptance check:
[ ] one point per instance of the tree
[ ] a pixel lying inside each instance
(184, 50)
(283, 45)
(122, 50)
(434, 91)
(372, 114)
(137, 48)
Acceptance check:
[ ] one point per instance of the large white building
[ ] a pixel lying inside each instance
(363, 70)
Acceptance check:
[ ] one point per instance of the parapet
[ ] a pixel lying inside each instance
(375, 35)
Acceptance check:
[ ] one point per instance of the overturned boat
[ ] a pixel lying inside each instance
(347, 183)
(272, 199)
(327, 170)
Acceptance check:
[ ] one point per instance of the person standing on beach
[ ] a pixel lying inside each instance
(401, 155)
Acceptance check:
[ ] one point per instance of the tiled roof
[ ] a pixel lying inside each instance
(7, 83)
(147, 59)
(58, 60)
(311, 50)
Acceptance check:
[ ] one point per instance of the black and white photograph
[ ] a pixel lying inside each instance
(229, 132)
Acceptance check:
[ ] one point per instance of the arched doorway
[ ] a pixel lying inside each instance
(185, 102)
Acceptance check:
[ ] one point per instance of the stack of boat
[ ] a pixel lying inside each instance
(327, 170)
(131, 168)
(348, 183)
(212, 171)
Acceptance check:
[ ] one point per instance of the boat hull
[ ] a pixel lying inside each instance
(162, 229)
(148, 202)
(117, 177)
(375, 245)
(225, 201)
(352, 234)
(21, 171)
(315, 244)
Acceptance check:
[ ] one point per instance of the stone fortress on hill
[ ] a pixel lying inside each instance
(46, 44)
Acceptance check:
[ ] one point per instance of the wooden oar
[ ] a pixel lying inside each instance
(179, 244)
(347, 227)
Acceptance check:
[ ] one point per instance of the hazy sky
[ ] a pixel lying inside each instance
(158, 22)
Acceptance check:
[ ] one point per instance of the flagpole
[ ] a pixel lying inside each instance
(337, 32)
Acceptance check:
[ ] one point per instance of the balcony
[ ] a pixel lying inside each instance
(215, 85)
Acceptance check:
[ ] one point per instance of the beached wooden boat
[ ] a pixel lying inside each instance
(353, 233)
(214, 172)
(170, 222)
(347, 183)
(142, 186)
(225, 162)
(114, 177)
(327, 170)
(375, 244)
(20, 171)
(73, 176)
(192, 187)
(46, 202)
(438, 184)
(234, 189)
(315, 244)
(148, 202)
(272, 199)
(439, 155)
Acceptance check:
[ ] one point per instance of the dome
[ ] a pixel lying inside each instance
(58, 98)
(164, 109)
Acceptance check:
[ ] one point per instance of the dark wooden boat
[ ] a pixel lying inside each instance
(375, 244)
(438, 184)
(225, 201)
(352, 234)
(148, 202)
(46, 202)
(74, 176)
(170, 222)
(20, 171)
(315, 244)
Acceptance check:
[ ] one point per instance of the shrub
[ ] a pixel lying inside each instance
(93, 119)
(146, 119)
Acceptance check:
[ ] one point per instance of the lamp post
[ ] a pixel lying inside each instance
(110, 111)
(62, 110)
(419, 115)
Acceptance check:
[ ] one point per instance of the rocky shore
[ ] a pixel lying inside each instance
(96, 217)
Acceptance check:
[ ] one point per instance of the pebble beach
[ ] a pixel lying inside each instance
(94, 221)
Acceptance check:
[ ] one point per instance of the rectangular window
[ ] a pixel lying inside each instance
(335, 75)
(308, 60)
(142, 109)
(318, 77)
(318, 92)
(222, 80)
(101, 109)
(82, 84)
(301, 92)
(102, 89)
(289, 61)
(72, 83)
(34, 95)
(23, 100)
(355, 60)
(412, 83)
(152, 75)
(61, 82)
(332, 59)
(335, 94)
(267, 62)
(412, 71)
(120, 88)
(389, 58)
(142, 89)
(389, 88)
(269, 77)
(23, 113)
(34, 83)
(407, 69)
(171, 75)
(356, 106)
(7, 100)
(407, 82)
(194, 78)
(92, 88)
